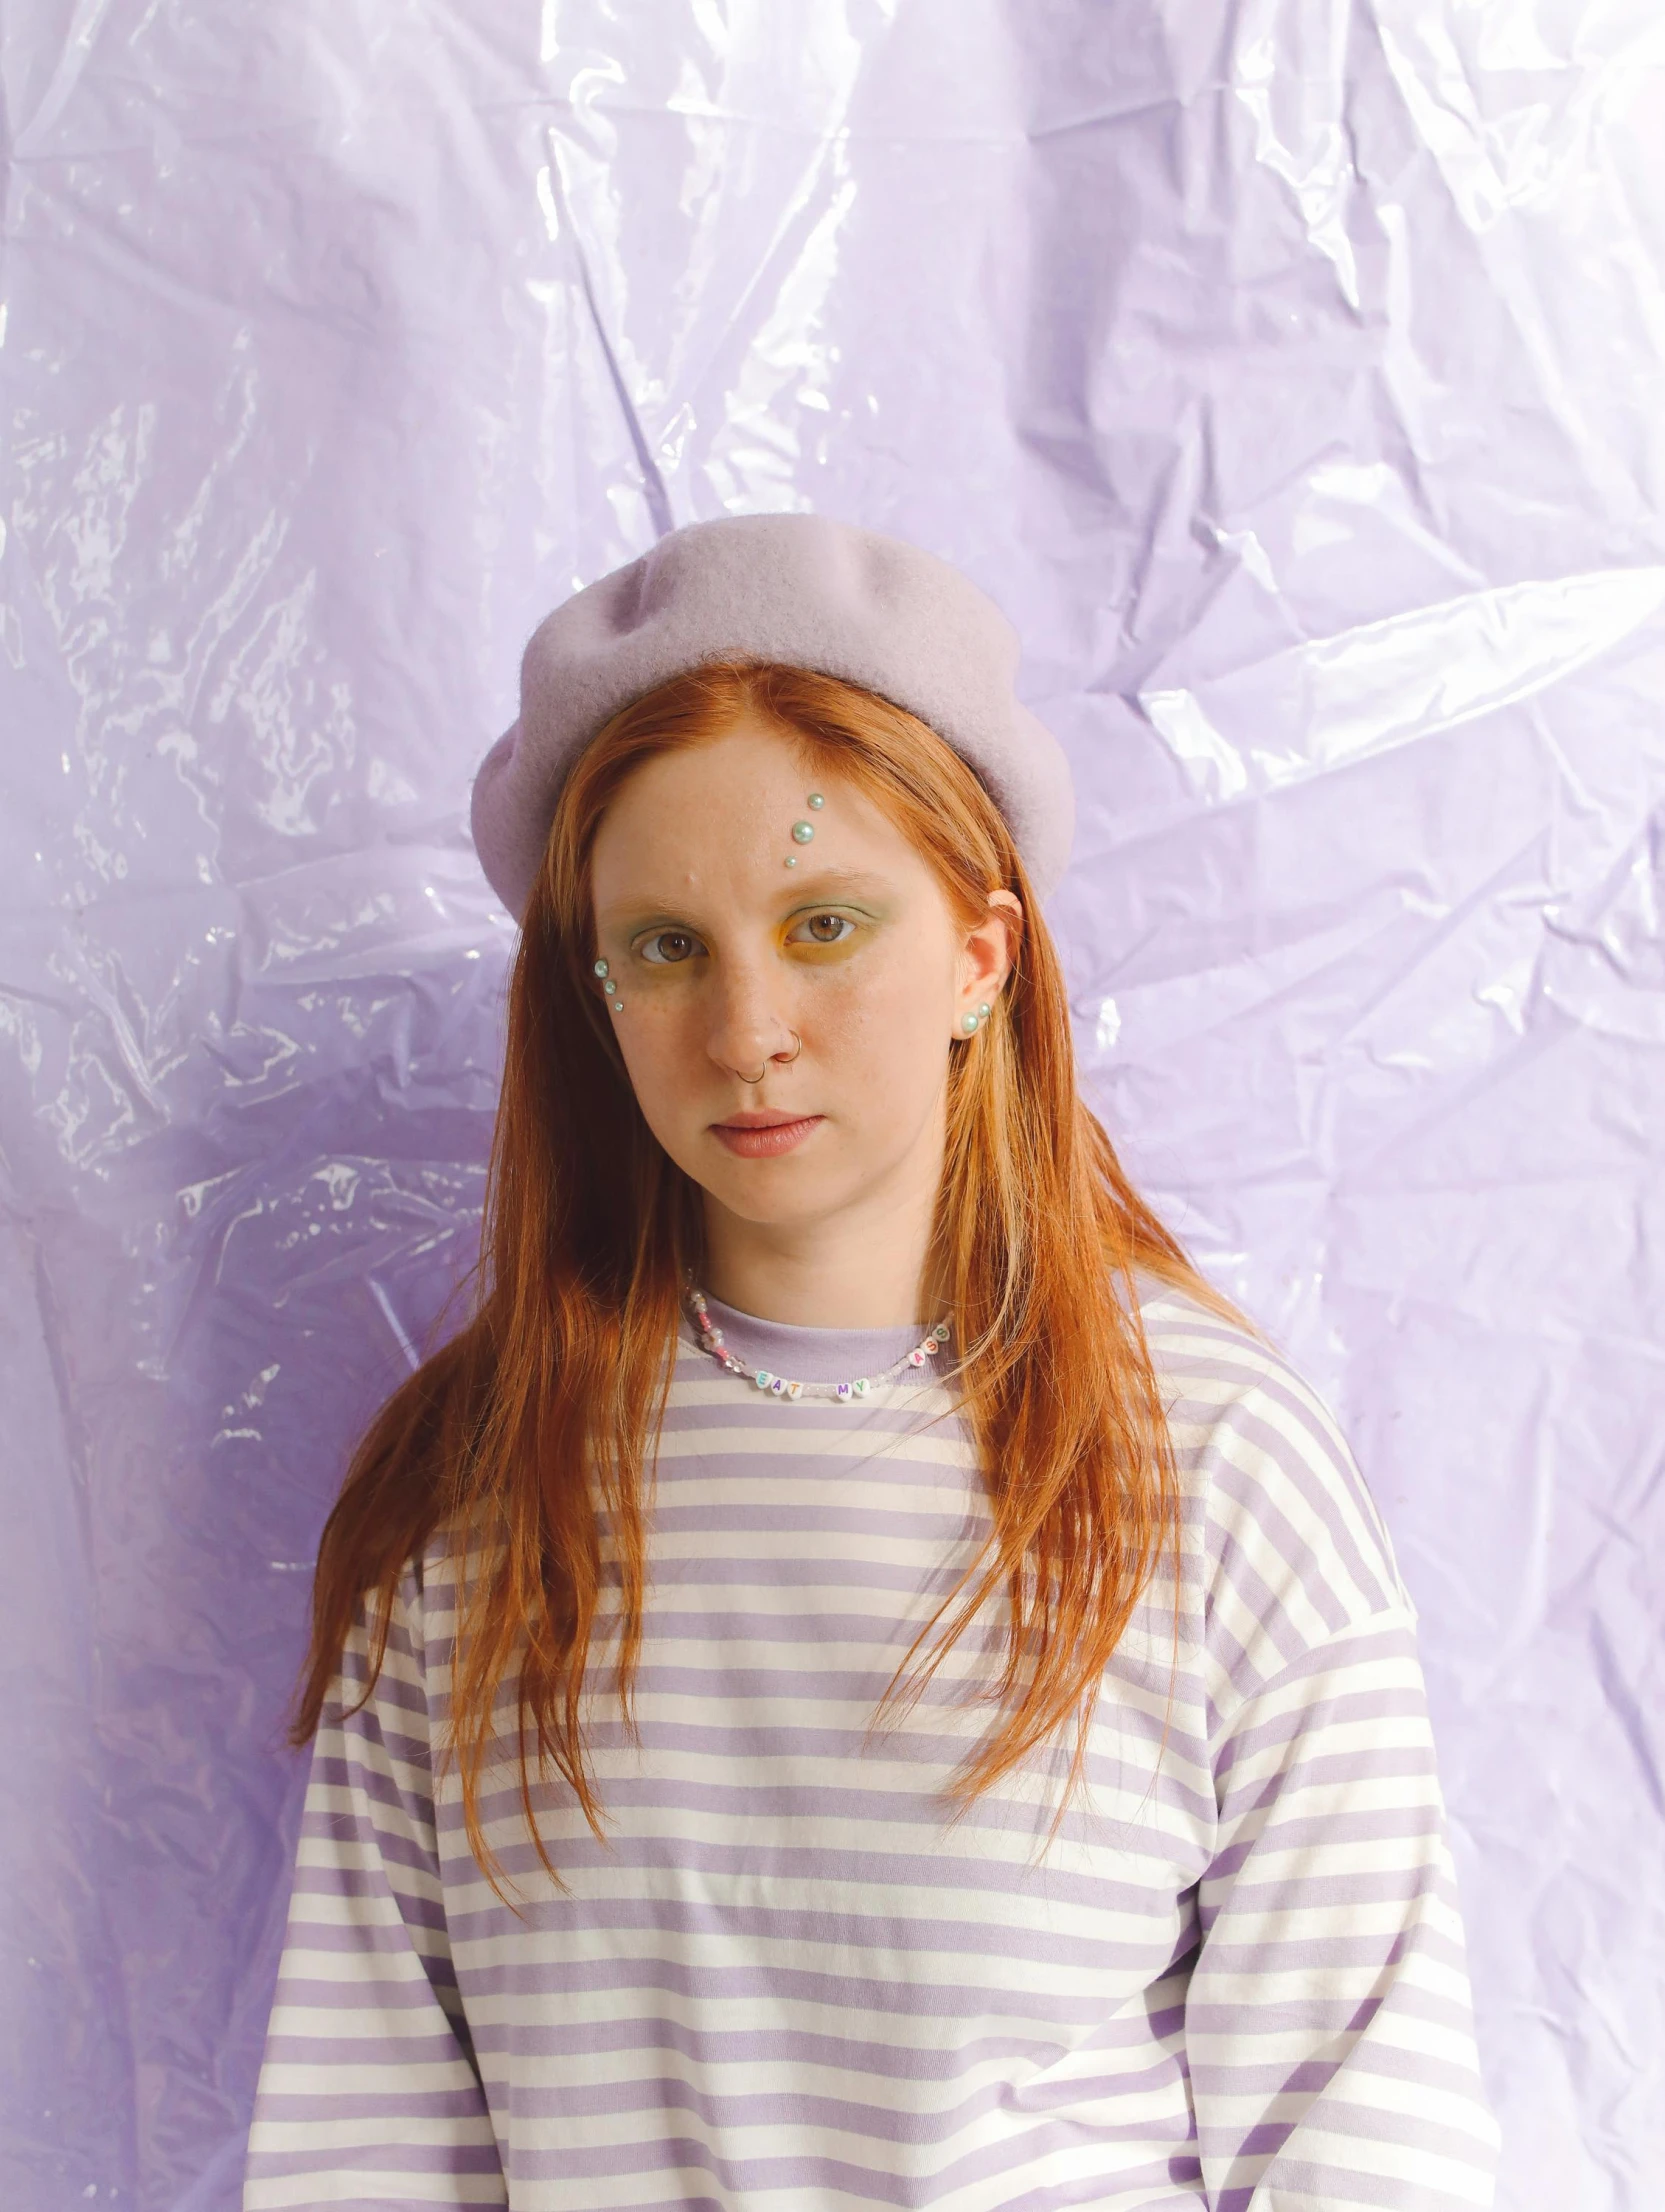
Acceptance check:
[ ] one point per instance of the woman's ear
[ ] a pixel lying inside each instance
(991, 945)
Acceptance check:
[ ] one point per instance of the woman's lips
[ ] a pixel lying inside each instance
(751, 1140)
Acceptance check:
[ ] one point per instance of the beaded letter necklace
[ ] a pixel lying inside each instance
(711, 1340)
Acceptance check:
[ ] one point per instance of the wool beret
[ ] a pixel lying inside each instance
(797, 588)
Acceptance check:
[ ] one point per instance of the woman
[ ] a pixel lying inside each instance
(855, 1680)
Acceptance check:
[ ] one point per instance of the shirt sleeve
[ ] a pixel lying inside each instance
(369, 2096)
(1329, 2028)
(1328, 2022)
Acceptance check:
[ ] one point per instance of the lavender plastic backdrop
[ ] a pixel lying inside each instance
(1290, 372)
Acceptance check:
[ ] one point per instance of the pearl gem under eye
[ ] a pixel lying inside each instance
(601, 967)
(791, 860)
(609, 987)
(802, 832)
(816, 800)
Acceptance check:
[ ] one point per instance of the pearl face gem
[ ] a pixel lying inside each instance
(609, 987)
(601, 967)
(802, 832)
(791, 860)
(617, 1004)
(816, 800)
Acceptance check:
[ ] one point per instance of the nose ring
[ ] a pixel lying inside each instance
(788, 1057)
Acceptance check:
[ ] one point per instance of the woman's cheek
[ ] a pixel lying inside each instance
(872, 1021)
(658, 1048)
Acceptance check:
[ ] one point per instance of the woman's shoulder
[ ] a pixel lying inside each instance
(1291, 1547)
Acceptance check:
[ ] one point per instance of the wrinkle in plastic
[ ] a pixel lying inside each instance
(1291, 375)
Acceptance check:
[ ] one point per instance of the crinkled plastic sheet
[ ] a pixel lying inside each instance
(1290, 372)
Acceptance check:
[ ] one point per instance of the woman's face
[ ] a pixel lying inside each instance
(721, 954)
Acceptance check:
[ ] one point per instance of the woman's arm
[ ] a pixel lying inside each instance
(369, 2094)
(1328, 2024)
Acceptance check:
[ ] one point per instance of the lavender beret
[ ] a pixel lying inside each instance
(794, 588)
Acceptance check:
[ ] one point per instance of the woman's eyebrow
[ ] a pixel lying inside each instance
(825, 883)
(648, 910)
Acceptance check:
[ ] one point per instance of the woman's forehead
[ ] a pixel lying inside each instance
(750, 784)
(699, 848)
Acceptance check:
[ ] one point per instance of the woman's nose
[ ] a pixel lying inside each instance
(747, 1025)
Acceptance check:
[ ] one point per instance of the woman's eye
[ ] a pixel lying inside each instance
(670, 945)
(827, 929)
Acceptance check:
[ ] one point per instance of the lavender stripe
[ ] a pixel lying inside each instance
(781, 1910)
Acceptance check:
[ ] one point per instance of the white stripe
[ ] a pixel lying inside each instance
(793, 1919)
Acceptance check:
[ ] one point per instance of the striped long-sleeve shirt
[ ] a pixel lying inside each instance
(786, 1982)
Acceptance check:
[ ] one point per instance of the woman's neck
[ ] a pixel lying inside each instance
(862, 1269)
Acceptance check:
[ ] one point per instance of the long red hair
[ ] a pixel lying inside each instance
(528, 1436)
